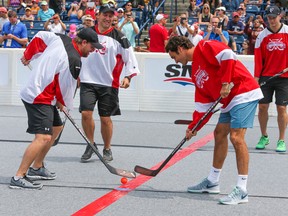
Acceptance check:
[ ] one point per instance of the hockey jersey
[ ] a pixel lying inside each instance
(215, 63)
(54, 77)
(271, 52)
(104, 66)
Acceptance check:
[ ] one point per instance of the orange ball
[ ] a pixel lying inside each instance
(124, 180)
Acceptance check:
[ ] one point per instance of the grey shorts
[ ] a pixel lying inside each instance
(279, 86)
(42, 118)
(107, 98)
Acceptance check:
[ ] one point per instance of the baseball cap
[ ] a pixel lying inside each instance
(27, 8)
(146, 39)
(88, 17)
(161, 16)
(90, 36)
(234, 14)
(221, 8)
(120, 9)
(107, 8)
(240, 8)
(72, 28)
(44, 3)
(3, 10)
(273, 11)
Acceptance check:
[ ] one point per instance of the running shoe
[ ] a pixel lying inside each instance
(205, 186)
(24, 183)
(262, 142)
(41, 173)
(237, 196)
(281, 146)
(107, 155)
(88, 153)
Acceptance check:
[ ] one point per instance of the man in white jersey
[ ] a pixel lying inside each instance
(270, 44)
(52, 83)
(100, 80)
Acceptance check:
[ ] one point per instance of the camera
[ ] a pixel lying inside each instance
(182, 20)
(51, 21)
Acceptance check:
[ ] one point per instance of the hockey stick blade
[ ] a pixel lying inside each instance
(187, 122)
(113, 170)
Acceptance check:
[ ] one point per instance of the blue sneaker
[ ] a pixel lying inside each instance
(24, 183)
(237, 196)
(40, 174)
(205, 186)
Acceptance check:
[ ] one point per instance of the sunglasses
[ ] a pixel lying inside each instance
(206, 8)
(129, 5)
(120, 12)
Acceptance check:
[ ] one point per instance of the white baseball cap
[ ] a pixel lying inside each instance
(161, 16)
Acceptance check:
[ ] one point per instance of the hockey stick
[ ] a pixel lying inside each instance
(112, 170)
(150, 172)
(186, 121)
(64, 122)
(276, 75)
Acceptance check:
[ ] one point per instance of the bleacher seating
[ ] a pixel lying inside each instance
(38, 25)
(254, 9)
(239, 39)
(31, 33)
(192, 20)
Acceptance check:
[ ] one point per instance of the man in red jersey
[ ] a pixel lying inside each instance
(214, 67)
(158, 34)
(271, 57)
(52, 84)
(100, 80)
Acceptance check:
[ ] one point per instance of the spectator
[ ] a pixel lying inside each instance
(82, 8)
(45, 13)
(87, 21)
(91, 10)
(252, 30)
(138, 4)
(245, 48)
(72, 31)
(206, 16)
(193, 10)
(35, 8)
(57, 5)
(73, 13)
(235, 26)
(221, 13)
(120, 15)
(14, 3)
(129, 28)
(128, 6)
(28, 16)
(195, 37)
(199, 3)
(3, 18)
(14, 32)
(242, 13)
(230, 5)
(146, 42)
(181, 27)
(215, 32)
(158, 34)
(29, 3)
(115, 22)
(213, 5)
(55, 25)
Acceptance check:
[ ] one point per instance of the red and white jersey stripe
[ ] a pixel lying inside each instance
(104, 66)
(215, 63)
(271, 52)
(54, 77)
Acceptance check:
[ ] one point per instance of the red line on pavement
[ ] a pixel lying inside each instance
(111, 197)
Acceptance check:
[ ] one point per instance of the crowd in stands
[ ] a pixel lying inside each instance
(234, 22)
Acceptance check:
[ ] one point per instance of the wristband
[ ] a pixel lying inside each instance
(129, 78)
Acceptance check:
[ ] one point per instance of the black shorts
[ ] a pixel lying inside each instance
(42, 118)
(278, 85)
(107, 97)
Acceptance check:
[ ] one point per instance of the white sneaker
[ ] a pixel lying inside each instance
(237, 196)
(205, 186)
